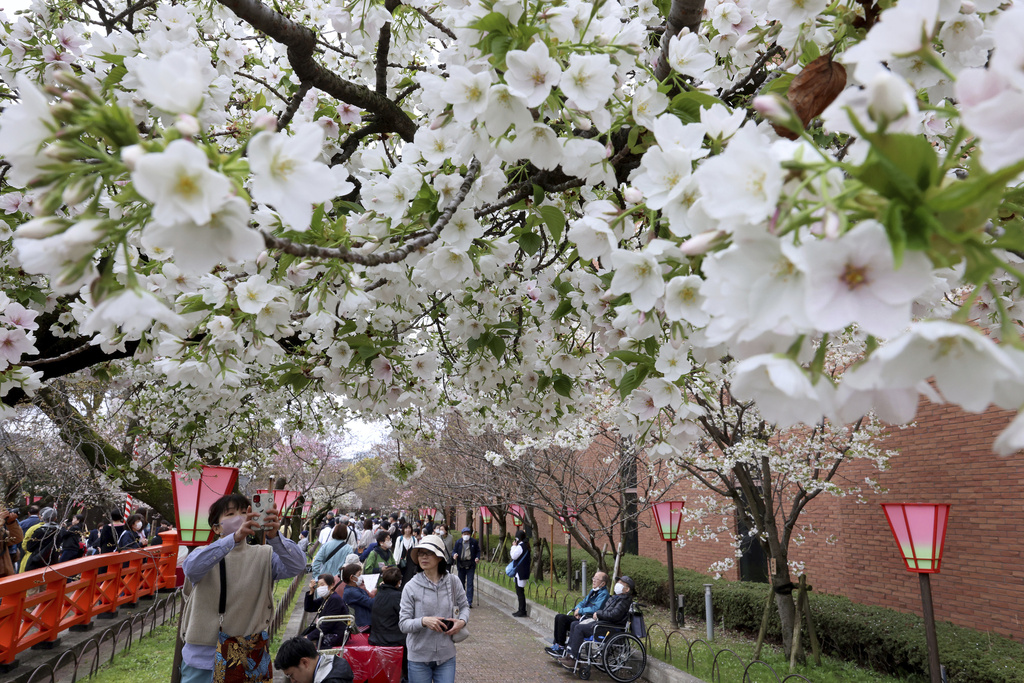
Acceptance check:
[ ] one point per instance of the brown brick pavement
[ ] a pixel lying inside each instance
(502, 649)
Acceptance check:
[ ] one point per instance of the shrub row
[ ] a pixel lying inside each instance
(883, 639)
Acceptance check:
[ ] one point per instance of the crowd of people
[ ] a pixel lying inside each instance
(397, 579)
(39, 538)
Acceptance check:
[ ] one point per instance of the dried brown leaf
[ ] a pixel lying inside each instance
(814, 88)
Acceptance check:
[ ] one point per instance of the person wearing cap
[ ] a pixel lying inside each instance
(466, 554)
(615, 612)
(584, 609)
(433, 609)
(520, 554)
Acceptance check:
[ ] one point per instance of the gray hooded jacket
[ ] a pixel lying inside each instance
(421, 598)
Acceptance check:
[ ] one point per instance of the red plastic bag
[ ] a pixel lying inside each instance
(371, 663)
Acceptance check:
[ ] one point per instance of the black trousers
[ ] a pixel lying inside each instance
(521, 594)
(562, 624)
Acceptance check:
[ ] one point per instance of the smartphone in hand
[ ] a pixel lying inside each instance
(449, 624)
(261, 504)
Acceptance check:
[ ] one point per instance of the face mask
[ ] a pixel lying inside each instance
(230, 525)
(322, 591)
(138, 526)
(465, 537)
(619, 589)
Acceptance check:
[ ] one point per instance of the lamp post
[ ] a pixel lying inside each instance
(485, 518)
(568, 521)
(192, 500)
(668, 517)
(920, 532)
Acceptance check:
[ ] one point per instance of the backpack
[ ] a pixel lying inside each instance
(41, 546)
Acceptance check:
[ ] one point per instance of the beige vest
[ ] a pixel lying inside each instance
(250, 597)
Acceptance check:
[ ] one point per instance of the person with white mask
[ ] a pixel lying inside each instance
(322, 600)
(614, 612)
(466, 554)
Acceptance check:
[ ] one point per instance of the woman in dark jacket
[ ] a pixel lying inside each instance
(322, 600)
(70, 539)
(132, 537)
(355, 596)
(384, 631)
(521, 558)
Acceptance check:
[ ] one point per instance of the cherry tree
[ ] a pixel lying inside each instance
(394, 208)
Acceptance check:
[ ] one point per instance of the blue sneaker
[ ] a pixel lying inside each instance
(555, 651)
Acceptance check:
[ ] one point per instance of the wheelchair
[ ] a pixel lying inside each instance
(616, 650)
(350, 627)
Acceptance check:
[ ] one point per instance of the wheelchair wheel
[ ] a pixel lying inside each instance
(584, 672)
(624, 657)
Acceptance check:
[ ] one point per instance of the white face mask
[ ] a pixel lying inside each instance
(465, 537)
(138, 526)
(619, 589)
(230, 525)
(322, 591)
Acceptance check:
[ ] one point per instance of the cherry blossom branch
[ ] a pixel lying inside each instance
(435, 23)
(754, 70)
(64, 356)
(293, 106)
(264, 83)
(682, 14)
(301, 43)
(393, 256)
(383, 45)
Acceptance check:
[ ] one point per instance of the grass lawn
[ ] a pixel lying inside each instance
(151, 658)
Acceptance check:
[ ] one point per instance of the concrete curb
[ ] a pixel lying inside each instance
(544, 621)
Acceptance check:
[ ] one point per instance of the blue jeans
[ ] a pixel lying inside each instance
(190, 674)
(432, 672)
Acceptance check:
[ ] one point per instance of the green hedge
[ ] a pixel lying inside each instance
(876, 637)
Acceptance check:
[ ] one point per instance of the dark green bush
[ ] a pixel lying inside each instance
(876, 637)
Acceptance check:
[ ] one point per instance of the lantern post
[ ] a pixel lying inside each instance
(517, 514)
(431, 514)
(668, 517)
(568, 521)
(193, 497)
(485, 518)
(920, 533)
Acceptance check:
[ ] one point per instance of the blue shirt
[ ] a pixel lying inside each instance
(286, 562)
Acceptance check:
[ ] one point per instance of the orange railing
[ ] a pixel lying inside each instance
(35, 607)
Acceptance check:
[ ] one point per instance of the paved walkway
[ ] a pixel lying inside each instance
(503, 649)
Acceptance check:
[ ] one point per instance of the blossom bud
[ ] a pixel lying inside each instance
(262, 259)
(748, 42)
(187, 125)
(438, 121)
(130, 155)
(266, 122)
(887, 98)
(702, 243)
(60, 151)
(778, 111)
(967, 7)
(77, 191)
(633, 195)
(41, 228)
(63, 111)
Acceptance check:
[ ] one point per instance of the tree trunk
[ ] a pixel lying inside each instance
(627, 480)
(77, 434)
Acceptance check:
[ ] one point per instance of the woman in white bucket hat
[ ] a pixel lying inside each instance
(434, 608)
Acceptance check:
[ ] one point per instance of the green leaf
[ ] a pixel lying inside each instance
(496, 344)
(632, 357)
(495, 21)
(780, 86)
(562, 385)
(530, 242)
(564, 309)
(631, 380)
(554, 219)
(687, 105)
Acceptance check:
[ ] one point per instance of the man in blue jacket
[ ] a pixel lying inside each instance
(586, 607)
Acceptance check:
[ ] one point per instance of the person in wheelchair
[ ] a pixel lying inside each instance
(614, 614)
(584, 609)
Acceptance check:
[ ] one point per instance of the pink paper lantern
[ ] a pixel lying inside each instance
(485, 514)
(517, 514)
(920, 532)
(668, 517)
(193, 498)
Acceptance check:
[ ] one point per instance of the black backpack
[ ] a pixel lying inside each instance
(42, 547)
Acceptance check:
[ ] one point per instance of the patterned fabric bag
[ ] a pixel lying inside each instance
(240, 659)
